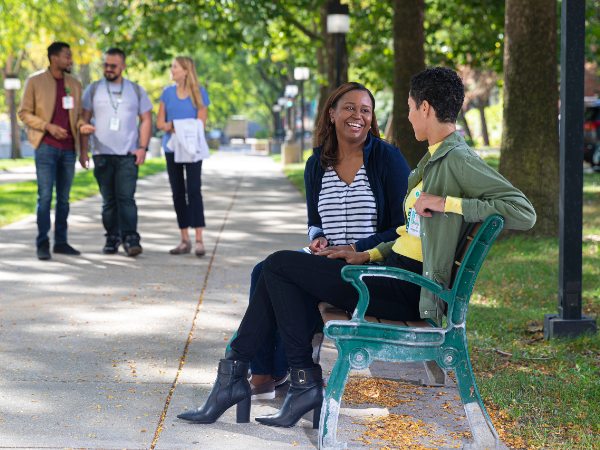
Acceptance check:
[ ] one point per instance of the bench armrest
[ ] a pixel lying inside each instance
(355, 274)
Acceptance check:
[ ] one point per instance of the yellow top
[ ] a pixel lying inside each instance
(408, 242)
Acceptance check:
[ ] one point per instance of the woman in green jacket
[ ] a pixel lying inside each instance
(450, 187)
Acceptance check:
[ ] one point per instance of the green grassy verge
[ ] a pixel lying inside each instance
(19, 199)
(7, 164)
(541, 394)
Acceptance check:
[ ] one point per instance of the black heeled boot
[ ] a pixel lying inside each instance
(304, 394)
(231, 387)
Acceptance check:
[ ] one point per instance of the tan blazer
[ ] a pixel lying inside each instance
(37, 105)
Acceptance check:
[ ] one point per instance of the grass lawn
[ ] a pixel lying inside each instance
(7, 164)
(19, 199)
(541, 394)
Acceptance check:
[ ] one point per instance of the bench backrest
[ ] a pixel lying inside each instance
(470, 257)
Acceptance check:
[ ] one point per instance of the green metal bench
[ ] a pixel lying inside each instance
(359, 342)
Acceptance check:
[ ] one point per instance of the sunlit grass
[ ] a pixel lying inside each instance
(19, 199)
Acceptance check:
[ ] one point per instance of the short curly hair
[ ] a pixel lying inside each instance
(442, 88)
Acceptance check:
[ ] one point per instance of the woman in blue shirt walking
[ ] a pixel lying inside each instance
(184, 100)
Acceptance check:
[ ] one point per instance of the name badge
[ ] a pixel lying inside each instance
(114, 124)
(68, 102)
(414, 223)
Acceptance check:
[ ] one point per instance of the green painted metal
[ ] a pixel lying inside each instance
(360, 342)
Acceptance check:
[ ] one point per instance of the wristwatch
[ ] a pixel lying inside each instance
(145, 148)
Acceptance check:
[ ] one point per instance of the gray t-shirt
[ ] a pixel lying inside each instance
(114, 114)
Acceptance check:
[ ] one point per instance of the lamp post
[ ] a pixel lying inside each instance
(291, 91)
(282, 102)
(11, 84)
(276, 128)
(301, 74)
(338, 24)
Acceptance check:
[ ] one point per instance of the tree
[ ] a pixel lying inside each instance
(409, 58)
(529, 153)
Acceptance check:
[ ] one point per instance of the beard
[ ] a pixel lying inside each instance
(110, 77)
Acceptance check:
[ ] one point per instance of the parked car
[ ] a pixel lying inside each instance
(591, 133)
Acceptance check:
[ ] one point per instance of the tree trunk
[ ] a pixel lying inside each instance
(462, 119)
(409, 59)
(484, 130)
(529, 152)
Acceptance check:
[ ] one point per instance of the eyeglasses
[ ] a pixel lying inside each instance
(110, 66)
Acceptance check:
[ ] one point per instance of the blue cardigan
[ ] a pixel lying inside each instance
(387, 172)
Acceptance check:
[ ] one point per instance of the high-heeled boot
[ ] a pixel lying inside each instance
(304, 394)
(231, 387)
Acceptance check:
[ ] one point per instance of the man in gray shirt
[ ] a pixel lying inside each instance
(114, 105)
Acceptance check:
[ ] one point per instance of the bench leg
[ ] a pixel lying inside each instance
(332, 402)
(482, 428)
(436, 376)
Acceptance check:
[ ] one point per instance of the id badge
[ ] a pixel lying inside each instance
(114, 124)
(414, 223)
(68, 102)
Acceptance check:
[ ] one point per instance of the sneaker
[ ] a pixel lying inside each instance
(65, 249)
(132, 246)
(43, 251)
(112, 245)
(265, 391)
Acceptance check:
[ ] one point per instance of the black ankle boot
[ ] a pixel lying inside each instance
(231, 387)
(304, 394)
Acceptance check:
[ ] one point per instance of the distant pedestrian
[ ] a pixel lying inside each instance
(51, 109)
(184, 100)
(114, 104)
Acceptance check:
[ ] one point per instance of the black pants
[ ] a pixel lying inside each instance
(187, 191)
(288, 292)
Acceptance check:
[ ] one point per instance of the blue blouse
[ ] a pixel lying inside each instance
(176, 108)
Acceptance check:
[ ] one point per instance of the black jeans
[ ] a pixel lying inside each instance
(187, 191)
(117, 178)
(288, 292)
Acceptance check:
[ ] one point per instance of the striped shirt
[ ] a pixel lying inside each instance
(348, 211)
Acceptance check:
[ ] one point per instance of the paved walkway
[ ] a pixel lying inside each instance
(102, 351)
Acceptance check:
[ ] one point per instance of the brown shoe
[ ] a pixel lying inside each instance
(200, 251)
(183, 247)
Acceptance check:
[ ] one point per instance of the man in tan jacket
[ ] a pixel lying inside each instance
(51, 109)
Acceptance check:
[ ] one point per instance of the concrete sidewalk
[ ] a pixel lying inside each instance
(103, 351)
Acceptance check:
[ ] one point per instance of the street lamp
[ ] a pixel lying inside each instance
(12, 84)
(338, 24)
(291, 91)
(301, 74)
(276, 108)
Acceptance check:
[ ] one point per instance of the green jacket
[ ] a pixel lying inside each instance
(455, 170)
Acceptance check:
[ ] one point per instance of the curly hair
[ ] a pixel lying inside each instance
(325, 130)
(442, 88)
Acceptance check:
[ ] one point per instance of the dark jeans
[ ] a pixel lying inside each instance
(186, 189)
(270, 357)
(53, 165)
(289, 290)
(117, 177)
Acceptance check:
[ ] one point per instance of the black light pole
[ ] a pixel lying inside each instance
(569, 320)
(11, 85)
(301, 74)
(338, 24)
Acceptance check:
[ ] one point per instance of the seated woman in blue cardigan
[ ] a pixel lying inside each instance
(352, 182)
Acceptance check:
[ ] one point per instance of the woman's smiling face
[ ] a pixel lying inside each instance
(352, 116)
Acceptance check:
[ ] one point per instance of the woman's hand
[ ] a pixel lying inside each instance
(427, 204)
(350, 256)
(335, 248)
(318, 244)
